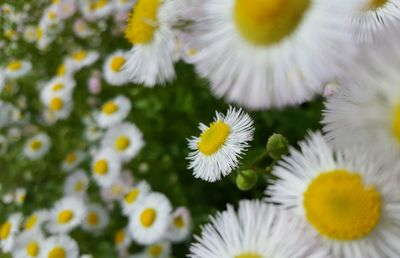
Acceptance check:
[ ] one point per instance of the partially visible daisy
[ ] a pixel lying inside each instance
(121, 239)
(60, 246)
(119, 187)
(180, 225)
(35, 220)
(217, 151)
(82, 58)
(82, 29)
(65, 69)
(150, 219)
(20, 195)
(66, 215)
(256, 230)
(59, 104)
(57, 85)
(133, 197)
(30, 34)
(76, 184)
(348, 198)
(37, 146)
(96, 218)
(29, 245)
(158, 250)
(8, 231)
(106, 167)
(125, 138)
(17, 68)
(73, 160)
(112, 69)
(114, 111)
(101, 8)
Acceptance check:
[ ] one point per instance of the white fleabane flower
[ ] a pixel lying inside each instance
(157, 250)
(133, 197)
(56, 86)
(60, 246)
(114, 111)
(59, 104)
(82, 58)
(73, 160)
(180, 225)
(112, 69)
(256, 230)
(96, 219)
(348, 198)
(8, 232)
(35, 220)
(217, 151)
(17, 68)
(37, 146)
(106, 167)
(29, 245)
(121, 239)
(76, 184)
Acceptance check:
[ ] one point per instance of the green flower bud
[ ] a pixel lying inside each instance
(246, 179)
(277, 146)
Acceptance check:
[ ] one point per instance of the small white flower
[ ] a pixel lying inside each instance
(73, 160)
(37, 146)
(82, 58)
(20, 194)
(114, 111)
(17, 68)
(60, 246)
(180, 225)
(59, 104)
(133, 197)
(121, 239)
(112, 69)
(29, 245)
(96, 218)
(76, 184)
(157, 250)
(106, 167)
(8, 231)
(57, 86)
(35, 220)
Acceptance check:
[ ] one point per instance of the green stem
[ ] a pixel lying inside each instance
(259, 158)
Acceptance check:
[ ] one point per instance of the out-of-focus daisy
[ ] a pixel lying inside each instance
(83, 58)
(217, 151)
(106, 167)
(66, 215)
(37, 146)
(57, 86)
(30, 34)
(114, 111)
(35, 220)
(59, 104)
(96, 218)
(133, 197)
(101, 8)
(112, 69)
(76, 184)
(65, 69)
(121, 239)
(82, 29)
(65, 8)
(60, 246)
(271, 53)
(117, 190)
(347, 197)
(8, 231)
(150, 30)
(73, 160)
(256, 230)
(20, 195)
(29, 245)
(150, 219)
(125, 138)
(158, 250)
(180, 225)
(17, 68)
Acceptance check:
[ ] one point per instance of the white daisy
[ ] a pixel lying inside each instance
(73, 160)
(263, 54)
(66, 215)
(17, 68)
(60, 246)
(180, 225)
(37, 146)
(112, 69)
(101, 8)
(346, 197)
(82, 58)
(96, 218)
(29, 245)
(117, 190)
(218, 149)
(106, 167)
(59, 104)
(150, 30)
(8, 231)
(114, 111)
(82, 29)
(158, 250)
(76, 184)
(35, 220)
(150, 219)
(256, 230)
(66, 69)
(57, 85)
(121, 239)
(20, 195)
(125, 138)
(133, 197)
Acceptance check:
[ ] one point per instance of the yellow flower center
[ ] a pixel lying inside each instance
(93, 218)
(79, 55)
(57, 87)
(155, 250)
(119, 236)
(179, 222)
(341, 207)
(396, 123)
(142, 22)
(57, 252)
(376, 4)
(65, 216)
(132, 196)
(117, 63)
(31, 222)
(56, 104)
(213, 138)
(39, 33)
(32, 249)
(52, 15)
(14, 65)
(110, 108)
(148, 217)
(101, 167)
(36, 145)
(248, 255)
(79, 186)
(61, 70)
(121, 143)
(191, 52)
(71, 158)
(267, 22)
(5, 230)
(98, 5)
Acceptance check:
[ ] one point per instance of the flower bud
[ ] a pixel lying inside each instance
(246, 179)
(277, 146)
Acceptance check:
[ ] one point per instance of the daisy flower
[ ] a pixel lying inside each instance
(65, 69)
(256, 230)
(119, 187)
(82, 29)
(217, 151)
(57, 85)
(263, 54)
(73, 160)
(180, 225)
(59, 104)
(34, 221)
(346, 197)
(106, 167)
(76, 184)
(158, 250)
(150, 30)
(66, 215)
(60, 246)
(8, 232)
(29, 245)
(114, 111)
(30, 34)
(101, 8)
(82, 58)
(150, 219)
(20, 195)
(96, 218)
(125, 138)
(17, 68)
(37, 146)
(121, 239)
(133, 197)
(112, 69)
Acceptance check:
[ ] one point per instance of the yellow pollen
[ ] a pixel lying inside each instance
(142, 22)
(213, 138)
(178, 222)
(56, 104)
(79, 186)
(341, 207)
(65, 216)
(101, 167)
(79, 55)
(148, 217)
(121, 143)
(31, 222)
(155, 250)
(376, 4)
(57, 87)
(36, 145)
(32, 249)
(132, 196)
(267, 22)
(5, 230)
(71, 158)
(119, 236)
(110, 108)
(14, 65)
(396, 123)
(57, 252)
(93, 218)
(61, 70)
(248, 255)
(117, 63)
